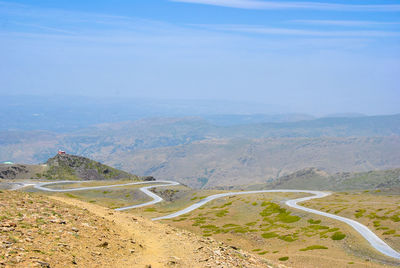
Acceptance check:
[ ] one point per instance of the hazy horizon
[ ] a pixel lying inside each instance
(176, 107)
(309, 57)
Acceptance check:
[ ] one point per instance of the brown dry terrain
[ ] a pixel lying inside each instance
(255, 223)
(233, 162)
(259, 224)
(378, 210)
(19, 171)
(38, 231)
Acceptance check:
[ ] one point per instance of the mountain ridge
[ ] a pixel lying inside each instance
(66, 167)
(316, 179)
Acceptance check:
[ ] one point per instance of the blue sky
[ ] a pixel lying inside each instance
(315, 57)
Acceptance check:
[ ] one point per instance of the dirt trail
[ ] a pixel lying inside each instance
(160, 245)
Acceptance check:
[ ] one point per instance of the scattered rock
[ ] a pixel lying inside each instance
(43, 264)
(103, 245)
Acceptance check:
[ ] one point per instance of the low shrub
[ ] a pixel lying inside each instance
(313, 247)
(338, 236)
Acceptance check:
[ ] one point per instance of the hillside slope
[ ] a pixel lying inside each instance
(65, 167)
(19, 171)
(72, 167)
(38, 231)
(315, 179)
(109, 139)
(226, 162)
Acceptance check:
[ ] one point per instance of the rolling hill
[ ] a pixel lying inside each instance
(65, 167)
(315, 179)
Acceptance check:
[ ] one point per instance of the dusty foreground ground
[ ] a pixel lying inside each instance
(37, 231)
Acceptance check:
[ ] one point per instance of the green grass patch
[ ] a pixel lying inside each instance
(240, 229)
(287, 218)
(226, 204)
(278, 213)
(269, 235)
(338, 211)
(229, 225)
(395, 218)
(288, 238)
(70, 195)
(389, 232)
(283, 258)
(311, 221)
(359, 213)
(376, 223)
(382, 228)
(313, 247)
(338, 236)
(318, 227)
(180, 219)
(333, 229)
(209, 226)
(221, 213)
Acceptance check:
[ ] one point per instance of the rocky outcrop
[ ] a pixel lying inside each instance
(68, 166)
(11, 172)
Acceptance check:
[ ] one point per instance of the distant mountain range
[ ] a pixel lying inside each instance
(314, 179)
(202, 154)
(71, 113)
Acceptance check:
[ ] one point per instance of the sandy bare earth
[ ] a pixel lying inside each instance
(37, 231)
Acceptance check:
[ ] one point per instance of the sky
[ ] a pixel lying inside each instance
(317, 57)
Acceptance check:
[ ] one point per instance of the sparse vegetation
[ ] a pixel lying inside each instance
(269, 235)
(313, 247)
(311, 221)
(338, 236)
(390, 232)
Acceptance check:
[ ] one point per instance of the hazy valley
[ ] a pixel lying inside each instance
(203, 155)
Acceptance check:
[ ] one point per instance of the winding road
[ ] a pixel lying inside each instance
(370, 236)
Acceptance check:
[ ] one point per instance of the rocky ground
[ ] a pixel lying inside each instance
(36, 231)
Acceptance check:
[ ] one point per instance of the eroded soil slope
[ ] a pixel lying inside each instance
(61, 232)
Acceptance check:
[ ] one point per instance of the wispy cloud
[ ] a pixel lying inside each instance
(52, 21)
(104, 30)
(256, 4)
(41, 27)
(298, 32)
(349, 23)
